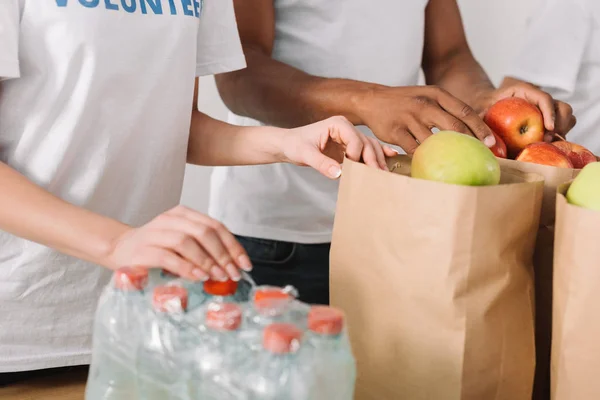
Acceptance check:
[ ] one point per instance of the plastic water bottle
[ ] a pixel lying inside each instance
(116, 331)
(219, 353)
(333, 362)
(165, 355)
(280, 370)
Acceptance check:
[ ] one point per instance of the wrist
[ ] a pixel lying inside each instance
(362, 102)
(101, 246)
(272, 144)
(483, 100)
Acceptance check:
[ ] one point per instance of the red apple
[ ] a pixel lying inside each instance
(499, 149)
(545, 154)
(517, 121)
(579, 155)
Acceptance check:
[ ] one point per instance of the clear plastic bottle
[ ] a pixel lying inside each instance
(117, 325)
(268, 305)
(214, 292)
(281, 370)
(219, 353)
(166, 352)
(328, 347)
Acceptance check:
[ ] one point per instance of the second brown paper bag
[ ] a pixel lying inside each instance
(542, 264)
(576, 322)
(436, 282)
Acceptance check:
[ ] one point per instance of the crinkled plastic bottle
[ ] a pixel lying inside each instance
(329, 350)
(281, 370)
(268, 305)
(219, 353)
(117, 325)
(166, 353)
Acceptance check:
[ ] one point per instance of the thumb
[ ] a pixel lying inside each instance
(325, 165)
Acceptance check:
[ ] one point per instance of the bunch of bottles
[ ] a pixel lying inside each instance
(158, 337)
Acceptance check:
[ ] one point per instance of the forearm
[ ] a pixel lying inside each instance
(280, 95)
(217, 143)
(463, 77)
(28, 211)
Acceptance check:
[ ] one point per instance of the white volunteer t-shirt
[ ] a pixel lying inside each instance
(380, 42)
(561, 53)
(98, 113)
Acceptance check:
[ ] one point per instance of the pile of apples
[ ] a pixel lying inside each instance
(519, 130)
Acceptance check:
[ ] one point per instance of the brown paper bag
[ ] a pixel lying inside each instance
(436, 281)
(576, 322)
(542, 261)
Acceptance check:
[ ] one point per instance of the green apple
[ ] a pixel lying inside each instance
(585, 189)
(455, 158)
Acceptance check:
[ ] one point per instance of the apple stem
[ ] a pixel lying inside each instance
(560, 137)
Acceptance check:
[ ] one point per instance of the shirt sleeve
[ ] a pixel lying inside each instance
(554, 45)
(219, 46)
(9, 39)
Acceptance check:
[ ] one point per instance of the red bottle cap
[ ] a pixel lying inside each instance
(282, 338)
(131, 278)
(218, 288)
(269, 297)
(325, 320)
(170, 298)
(223, 316)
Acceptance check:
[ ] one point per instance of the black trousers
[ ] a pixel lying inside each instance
(304, 266)
(8, 378)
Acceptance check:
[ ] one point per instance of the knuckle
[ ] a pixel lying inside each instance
(340, 119)
(180, 208)
(163, 218)
(206, 264)
(458, 126)
(422, 101)
(568, 108)
(466, 111)
(165, 259)
(218, 226)
(205, 231)
(183, 241)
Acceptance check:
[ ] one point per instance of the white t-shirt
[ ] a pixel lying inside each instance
(561, 53)
(379, 42)
(98, 114)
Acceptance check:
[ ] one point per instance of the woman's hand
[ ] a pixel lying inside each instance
(322, 146)
(184, 242)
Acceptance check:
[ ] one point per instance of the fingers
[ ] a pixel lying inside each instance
(466, 116)
(204, 242)
(545, 103)
(406, 140)
(419, 131)
(389, 151)
(565, 120)
(341, 131)
(235, 249)
(186, 248)
(325, 165)
(378, 152)
(170, 261)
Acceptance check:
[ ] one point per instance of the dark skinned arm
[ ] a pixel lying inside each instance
(281, 95)
(449, 63)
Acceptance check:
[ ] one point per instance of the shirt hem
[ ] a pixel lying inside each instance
(283, 235)
(220, 67)
(51, 361)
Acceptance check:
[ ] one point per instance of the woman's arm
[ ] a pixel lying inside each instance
(28, 211)
(321, 145)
